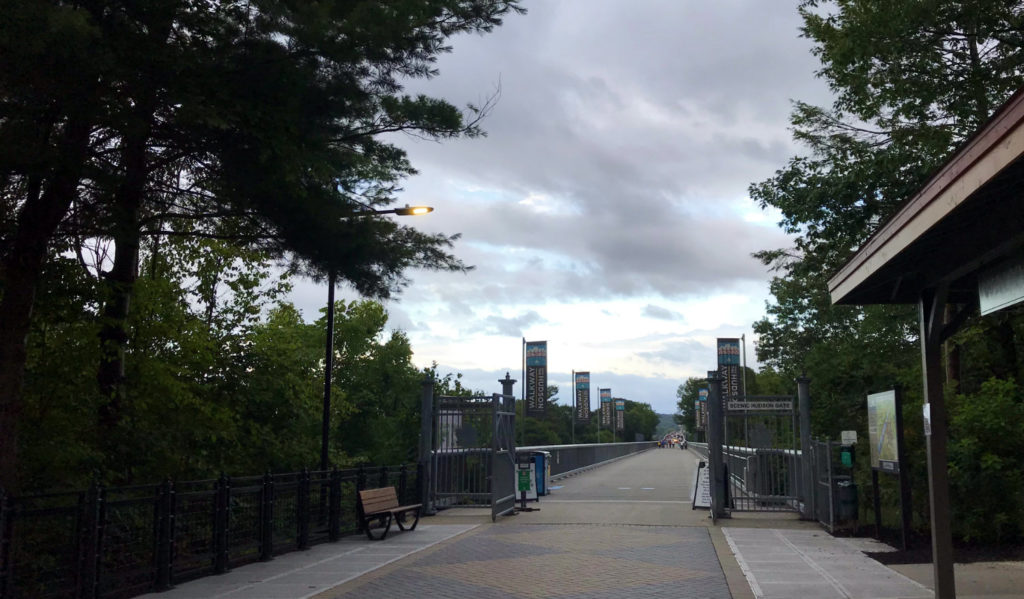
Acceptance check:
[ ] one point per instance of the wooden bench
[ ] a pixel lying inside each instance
(382, 505)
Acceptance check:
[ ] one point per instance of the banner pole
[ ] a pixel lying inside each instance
(572, 412)
(522, 425)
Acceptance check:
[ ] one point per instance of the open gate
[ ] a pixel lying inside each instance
(762, 464)
(473, 458)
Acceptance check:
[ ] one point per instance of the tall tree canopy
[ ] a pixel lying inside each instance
(256, 121)
(912, 80)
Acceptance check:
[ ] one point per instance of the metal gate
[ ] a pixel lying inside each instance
(762, 464)
(822, 496)
(473, 458)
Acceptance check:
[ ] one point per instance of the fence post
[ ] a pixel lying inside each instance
(716, 430)
(334, 509)
(403, 483)
(164, 533)
(221, 520)
(360, 486)
(6, 543)
(803, 393)
(424, 463)
(383, 480)
(267, 519)
(302, 510)
(90, 536)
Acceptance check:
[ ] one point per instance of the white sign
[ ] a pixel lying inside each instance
(1001, 288)
(702, 487)
(532, 493)
(848, 437)
(749, 406)
(927, 410)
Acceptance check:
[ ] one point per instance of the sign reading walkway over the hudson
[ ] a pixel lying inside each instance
(760, 405)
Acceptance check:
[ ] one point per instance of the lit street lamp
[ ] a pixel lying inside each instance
(406, 210)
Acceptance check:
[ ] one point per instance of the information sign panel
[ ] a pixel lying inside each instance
(882, 433)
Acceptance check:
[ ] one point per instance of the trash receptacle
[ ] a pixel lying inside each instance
(846, 498)
(542, 461)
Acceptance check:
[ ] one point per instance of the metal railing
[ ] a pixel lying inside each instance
(567, 459)
(123, 541)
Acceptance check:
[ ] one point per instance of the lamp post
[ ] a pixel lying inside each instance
(325, 430)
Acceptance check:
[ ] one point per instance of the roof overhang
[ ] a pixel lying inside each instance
(969, 217)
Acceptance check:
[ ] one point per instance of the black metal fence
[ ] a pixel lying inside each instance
(110, 543)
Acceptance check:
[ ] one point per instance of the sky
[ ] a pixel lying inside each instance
(607, 209)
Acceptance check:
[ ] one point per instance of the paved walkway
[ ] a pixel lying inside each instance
(568, 561)
(302, 574)
(623, 530)
(783, 564)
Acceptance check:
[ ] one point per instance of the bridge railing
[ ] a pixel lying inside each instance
(569, 459)
(114, 542)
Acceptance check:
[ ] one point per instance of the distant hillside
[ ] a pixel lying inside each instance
(665, 424)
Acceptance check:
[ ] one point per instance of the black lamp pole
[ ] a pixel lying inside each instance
(325, 431)
(328, 370)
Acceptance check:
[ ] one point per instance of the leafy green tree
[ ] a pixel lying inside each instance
(911, 83)
(640, 421)
(891, 125)
(255, 121)
(985, 477)
(687, 393)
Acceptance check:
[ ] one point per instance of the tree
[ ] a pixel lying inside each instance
(255, 121)
(912, 81)
(640, 421)
(687, 393)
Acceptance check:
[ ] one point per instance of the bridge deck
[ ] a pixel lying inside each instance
(624, 529)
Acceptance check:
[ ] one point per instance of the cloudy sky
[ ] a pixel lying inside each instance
(607, 209)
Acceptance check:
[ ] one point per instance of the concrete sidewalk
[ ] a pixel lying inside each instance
(302, 574)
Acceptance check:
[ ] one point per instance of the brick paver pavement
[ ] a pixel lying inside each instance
(535, 561)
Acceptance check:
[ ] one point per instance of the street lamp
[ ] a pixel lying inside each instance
(406, 210)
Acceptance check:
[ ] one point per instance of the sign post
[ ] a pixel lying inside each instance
(885, 436)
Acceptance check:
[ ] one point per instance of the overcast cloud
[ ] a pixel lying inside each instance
(607, 210)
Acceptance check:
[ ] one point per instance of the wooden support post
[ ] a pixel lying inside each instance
(931, 305)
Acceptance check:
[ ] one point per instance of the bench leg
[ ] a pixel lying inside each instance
(401, 520)
(384, 519)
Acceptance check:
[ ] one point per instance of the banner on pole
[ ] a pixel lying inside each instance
(606, 408)
(620, 414)
(729, 367)
(582, 384)
(702, 408)
(536, 377)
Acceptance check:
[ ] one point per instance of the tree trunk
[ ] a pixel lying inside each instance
(36, 223)
(120, 280)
